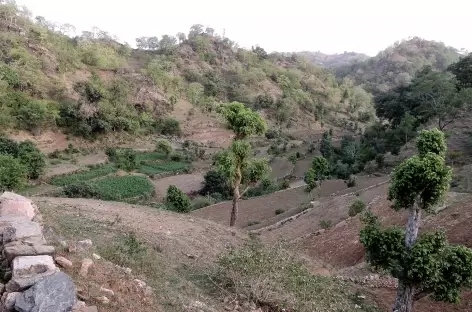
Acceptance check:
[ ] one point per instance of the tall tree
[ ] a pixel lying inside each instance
(235, 162)
(424, 264)
(463, 71)
(318, 172)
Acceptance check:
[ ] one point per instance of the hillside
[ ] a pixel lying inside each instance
(333, 61)
(398, 64)
(91, 85)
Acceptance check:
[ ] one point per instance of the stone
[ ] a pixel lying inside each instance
(103, 300)
(84, 244)
(38, 218)
(54, 293)
(89, 309)
(96, 257)
(127, 270)
(12, 204)
(19, 230)
(14, 251)
(9, 299)
(28, 270)
(79, 305)
(2, 288)
(63, 262)
(107, 292)
(33, 240)
(86, 265)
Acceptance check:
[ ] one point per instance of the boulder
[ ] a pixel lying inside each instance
(86, 265)
(19, 230)
(63, 262)
(28, 270)
(9, 299)
(12, 204)
(54, 293)
(14, 251)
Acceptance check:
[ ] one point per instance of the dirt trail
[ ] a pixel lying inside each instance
(175, 233)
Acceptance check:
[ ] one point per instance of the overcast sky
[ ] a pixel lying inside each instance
(366, 26)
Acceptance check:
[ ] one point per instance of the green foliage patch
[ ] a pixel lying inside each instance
(120, 188)
(90, 174)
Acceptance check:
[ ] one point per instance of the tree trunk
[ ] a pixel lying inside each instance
(404, 299)
(234, 210)
(405, 291)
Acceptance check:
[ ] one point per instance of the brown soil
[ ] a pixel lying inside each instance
(186, 182)
(281, 167)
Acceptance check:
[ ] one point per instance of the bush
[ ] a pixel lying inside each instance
(80, 190)
(326, 224)
(272, 134)
(285, 184)
(163, 146)
(216, 182)
(202, 201)
(33, 160)
(170, 126)
(251, 223)
(126, 159)
(351, 181)
(356, 207)
(279, 211)
(13, 174)
(177, 157)
(177, 200)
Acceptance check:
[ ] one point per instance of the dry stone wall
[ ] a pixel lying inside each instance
(31, 281)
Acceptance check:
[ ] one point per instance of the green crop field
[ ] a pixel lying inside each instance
(150, 156)
(119, 188)
(156, 168)
(83, 176)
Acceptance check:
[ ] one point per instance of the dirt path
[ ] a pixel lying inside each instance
(175, 233)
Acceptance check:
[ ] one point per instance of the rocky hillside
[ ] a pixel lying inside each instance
(397, 65)
(91, 84)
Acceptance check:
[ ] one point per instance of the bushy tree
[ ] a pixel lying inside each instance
(33, 160)
(424, 264)
(13, 175)
(177, 200)
(164, 147)
(318, 172)
(215, 182)
(235, 162)
(326, 145)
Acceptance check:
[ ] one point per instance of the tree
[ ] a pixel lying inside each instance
(164, 147)
(326, 146)
(216, 182)
(424, 264)
(32, 159)
(195, 30)
(167, 43)
(463, 71)
(318, 172)
(235, 162)
(12, 173)
(181, 37)
(177, 200)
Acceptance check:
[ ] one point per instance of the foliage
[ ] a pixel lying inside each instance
(202, 201)
(279, 211)
(13, 174)
(164, 146)
(351, 181)
(151, 168)
(277, 280)
(121, 188)
(326, 146)
(463, 71)
(356, 207)
(326, 224)
(80, 190)
(243, 121)
(27, 154)
(125, 159)
(170, 126)
(318, 172)
(216, 182)
(177, 200)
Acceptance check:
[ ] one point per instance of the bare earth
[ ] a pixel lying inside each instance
(186, 182)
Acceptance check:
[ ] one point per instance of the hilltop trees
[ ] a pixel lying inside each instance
(424, 264)
(235, 162)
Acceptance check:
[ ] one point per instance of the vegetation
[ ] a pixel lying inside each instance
(177, 201)
(27, 154)
(318, 172)
(234, 163)
(122, 188)
(424, 264)
(215, 182)
(163, 146)
(13, 174)
(92, 173)
(356, 207)
(277, 280)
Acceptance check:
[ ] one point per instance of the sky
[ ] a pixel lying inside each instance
(366, 26)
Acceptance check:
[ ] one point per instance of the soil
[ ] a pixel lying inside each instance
(186, 182)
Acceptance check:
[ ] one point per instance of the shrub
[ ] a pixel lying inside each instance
(326, 224)
(272, 134)
(177, 157)
(126, 159)
(251, 223)
(33, 160)
(163, 146)
(285, 184)
(351, 181)
(170, 126)
(8, 146)
(216, 182)
(13, 174)
(279, 211)
(293, 158)
(356, 207)
(75, 178)
(80, 190)
(177, 200)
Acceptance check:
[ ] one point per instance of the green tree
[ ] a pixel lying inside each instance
(463, 71)
(164, 147)
(424, 264)
(32, 159)
(177, 200)
(318, 172)
(13, 175)
(235, 162)
(326, 145)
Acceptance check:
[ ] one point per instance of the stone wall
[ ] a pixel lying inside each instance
(31, 281)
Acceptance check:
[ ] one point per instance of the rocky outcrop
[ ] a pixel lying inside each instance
(31, 280)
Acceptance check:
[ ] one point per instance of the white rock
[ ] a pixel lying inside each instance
(32, 265)
(107, 291)
(96, 257)
(63, 262)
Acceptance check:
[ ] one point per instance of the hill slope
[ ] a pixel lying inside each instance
(397, 64)
(333, 61)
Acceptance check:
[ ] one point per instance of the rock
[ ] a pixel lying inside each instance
(33, 240)
(63, 262)
(96, 257)
(2, 288)
(103, 300)
(12, 204)
(9, 220)
(14, 251)
(84, 244)
(38, 218)
(79, 305)
(54, 293)
(9, 299)
(28, 270)
(86, 265)
(108, 292)
(127, 270)
(89, 309)
(21, 230)
(140, 283)
(63, 244)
